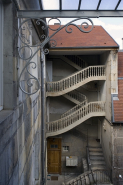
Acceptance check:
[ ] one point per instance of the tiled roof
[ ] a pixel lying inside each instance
(98, 37)
(118, 104)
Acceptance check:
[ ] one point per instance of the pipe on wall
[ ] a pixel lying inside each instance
(42, 120)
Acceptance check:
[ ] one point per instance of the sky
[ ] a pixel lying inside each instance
(114, 26)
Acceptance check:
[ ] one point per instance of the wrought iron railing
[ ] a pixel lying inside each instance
(88, 158)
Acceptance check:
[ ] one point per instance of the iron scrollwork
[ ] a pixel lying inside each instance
(27, 45)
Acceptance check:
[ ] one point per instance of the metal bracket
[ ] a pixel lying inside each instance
(25, 44)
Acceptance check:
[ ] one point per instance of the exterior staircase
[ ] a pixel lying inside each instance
(100, 177)
(73, 60)
(95, 155)
(75, 96)
(74, 117)
(96, 158)
(75, 80)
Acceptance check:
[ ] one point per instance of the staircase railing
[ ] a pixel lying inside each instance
(91, 71)
(88, 158)
(77, 95)
(75, 108)
(77, 60)
(75, 116)
(100, 177)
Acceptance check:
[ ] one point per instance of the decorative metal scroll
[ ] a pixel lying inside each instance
(27, 45)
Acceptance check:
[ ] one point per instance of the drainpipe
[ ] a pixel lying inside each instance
(42, 120)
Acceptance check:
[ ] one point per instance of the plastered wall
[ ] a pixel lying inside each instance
(20, 125)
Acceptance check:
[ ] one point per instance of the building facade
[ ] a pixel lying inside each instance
(82, 112)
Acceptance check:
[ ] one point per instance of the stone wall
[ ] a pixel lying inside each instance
(20, 120)
(117, 156)
(76, 140)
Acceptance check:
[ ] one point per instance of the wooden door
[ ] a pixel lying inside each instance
(54, 155)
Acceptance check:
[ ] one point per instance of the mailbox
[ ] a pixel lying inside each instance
(71, 161)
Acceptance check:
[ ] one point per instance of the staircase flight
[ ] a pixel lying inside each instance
(74, 118)
(75, 96)
(75, 80)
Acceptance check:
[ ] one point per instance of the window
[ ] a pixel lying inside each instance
(65, 148)
(1, 57)
(54, 146)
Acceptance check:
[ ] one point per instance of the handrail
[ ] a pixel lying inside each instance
(77, 60)
(70, 111)
(91, 107)
(65, 83)
(77, 95)
(88, 158)
(100, 176)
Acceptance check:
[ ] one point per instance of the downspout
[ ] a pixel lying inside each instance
(42, 120)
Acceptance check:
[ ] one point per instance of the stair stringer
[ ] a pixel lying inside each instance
(76, 123)
(77, 85)
(68, 61)
(71, 99)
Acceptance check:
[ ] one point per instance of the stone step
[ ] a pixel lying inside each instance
(97, 158)
(98, 167)
(94, 144)
(105, 184)
(95, 149)
(96, 153)
(98, 162)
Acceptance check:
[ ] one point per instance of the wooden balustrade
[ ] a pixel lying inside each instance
(75, 115)
(91, 71)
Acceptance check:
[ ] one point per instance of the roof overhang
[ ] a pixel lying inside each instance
(80, 51)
